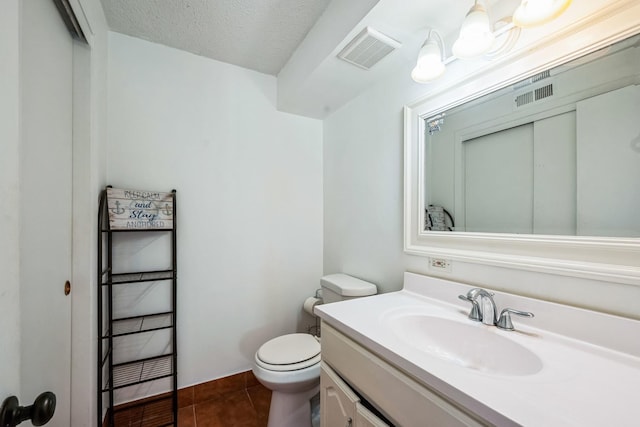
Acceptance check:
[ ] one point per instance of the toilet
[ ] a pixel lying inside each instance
(289, 365)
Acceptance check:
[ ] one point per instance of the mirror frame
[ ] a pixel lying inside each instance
(598, 258)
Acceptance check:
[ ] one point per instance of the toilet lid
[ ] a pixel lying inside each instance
(289, 349)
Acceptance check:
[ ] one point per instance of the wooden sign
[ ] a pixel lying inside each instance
(139, 210)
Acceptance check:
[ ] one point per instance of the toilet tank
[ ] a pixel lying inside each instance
(341, 287)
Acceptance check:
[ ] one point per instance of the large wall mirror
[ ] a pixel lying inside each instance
(541, 171)
(557, 153)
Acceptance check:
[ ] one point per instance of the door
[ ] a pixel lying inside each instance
(608, 164)
(498, 181)
(45, 205)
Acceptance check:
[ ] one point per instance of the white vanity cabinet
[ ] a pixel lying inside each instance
(340, 406)
(337, 400)
(401, 399)
(415, 359)
(366, 418)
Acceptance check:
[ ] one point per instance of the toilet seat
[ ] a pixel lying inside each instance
(289, 353)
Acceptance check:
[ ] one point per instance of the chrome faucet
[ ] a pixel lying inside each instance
(484, 309)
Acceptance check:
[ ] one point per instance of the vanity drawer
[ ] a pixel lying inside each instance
(400, 398)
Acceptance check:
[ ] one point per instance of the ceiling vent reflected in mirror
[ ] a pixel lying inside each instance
(534, 95)
(531, 80)
(368, 48)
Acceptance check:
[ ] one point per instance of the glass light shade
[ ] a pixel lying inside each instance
(429, 65)
(476, 36)
(537, 12)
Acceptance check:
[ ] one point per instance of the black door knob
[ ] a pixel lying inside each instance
(12, 414)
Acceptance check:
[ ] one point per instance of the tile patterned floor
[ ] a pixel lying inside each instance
(235, 401)
(242, 408)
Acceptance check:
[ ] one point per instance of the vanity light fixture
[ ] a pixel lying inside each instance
(430, 64)
(476, 35)
(531, 13)
(506, 36)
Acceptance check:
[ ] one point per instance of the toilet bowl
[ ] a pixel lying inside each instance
(289, 365)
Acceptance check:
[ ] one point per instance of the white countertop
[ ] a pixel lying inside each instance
(590, 373)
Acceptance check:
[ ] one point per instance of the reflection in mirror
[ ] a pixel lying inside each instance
(556, 154)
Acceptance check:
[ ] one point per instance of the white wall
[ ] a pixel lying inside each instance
(363, 197)
(249, 191)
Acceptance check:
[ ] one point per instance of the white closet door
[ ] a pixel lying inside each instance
(498, 181)
(608, 163)
(45, 206)
(554, 175)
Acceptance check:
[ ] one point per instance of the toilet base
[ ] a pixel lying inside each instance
(291, 409)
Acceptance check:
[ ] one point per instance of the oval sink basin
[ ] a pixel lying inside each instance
(468, 345)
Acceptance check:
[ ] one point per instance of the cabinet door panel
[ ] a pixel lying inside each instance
(366, 418)
(337, 401)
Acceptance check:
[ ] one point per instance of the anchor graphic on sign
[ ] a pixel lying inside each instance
(166, 209)
(118, 210)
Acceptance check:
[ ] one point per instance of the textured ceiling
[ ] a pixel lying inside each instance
(257, 34)
(297, 40)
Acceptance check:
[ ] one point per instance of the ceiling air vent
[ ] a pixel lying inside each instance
(524, 99)
(531, 80)
(540, 76)
(544, 92)
(534, 95)
(368, 48)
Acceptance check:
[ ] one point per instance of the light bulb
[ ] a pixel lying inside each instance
(429, 65)
(425, 75)
(537, 12)
(476, 36)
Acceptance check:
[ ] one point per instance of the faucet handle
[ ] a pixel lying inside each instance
(475, 308)
(504, 321)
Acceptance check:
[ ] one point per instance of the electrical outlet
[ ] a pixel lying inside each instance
(440, 264)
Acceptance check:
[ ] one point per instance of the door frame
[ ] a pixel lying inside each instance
(89, 177)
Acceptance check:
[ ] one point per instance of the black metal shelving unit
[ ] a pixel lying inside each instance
(152, 212)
